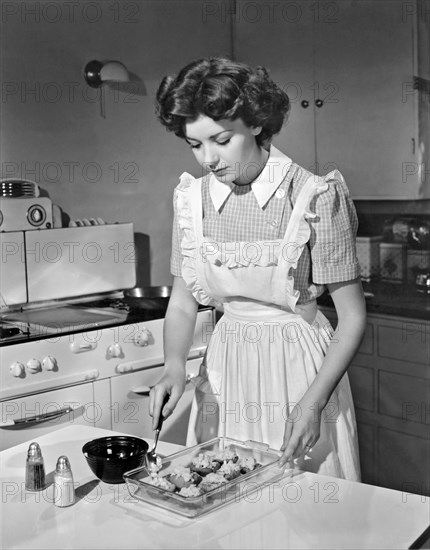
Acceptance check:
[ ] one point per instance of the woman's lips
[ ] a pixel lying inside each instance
(220, 171)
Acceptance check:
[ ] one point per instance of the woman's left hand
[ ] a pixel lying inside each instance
(302, 431)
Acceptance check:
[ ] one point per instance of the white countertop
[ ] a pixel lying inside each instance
(301, 511)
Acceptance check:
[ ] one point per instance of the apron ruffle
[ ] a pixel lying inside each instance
(267, 349)
(189, 242)
(246, 254)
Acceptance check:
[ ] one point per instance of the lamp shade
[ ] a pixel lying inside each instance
(96, 73)
(114, 71)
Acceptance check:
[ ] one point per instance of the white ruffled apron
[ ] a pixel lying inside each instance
(266, 349)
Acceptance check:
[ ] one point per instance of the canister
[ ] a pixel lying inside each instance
(368, 256)
(416, 260)
(392, 259)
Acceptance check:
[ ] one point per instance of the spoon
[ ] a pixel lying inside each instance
(151, 456)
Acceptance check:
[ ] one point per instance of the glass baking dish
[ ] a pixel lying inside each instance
(138, 485)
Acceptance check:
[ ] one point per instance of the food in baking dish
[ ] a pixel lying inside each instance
(207, 471)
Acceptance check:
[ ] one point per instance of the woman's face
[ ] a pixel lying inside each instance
(227, 148)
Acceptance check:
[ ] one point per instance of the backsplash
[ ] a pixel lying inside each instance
(372, 215)
(393, 243)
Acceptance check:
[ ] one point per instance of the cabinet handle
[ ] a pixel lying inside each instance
(39, 417)
(305, 104)
(319, 103)
(142, 390)
(79, 347)
(145, 390)
(413, 146)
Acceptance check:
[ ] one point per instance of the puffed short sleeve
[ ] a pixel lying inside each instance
(333, 233)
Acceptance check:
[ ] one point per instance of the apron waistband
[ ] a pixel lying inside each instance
(251, 311)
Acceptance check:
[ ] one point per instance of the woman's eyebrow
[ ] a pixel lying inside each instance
(210, 137)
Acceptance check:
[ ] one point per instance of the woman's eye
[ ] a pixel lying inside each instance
(194, 146)
(223, 142)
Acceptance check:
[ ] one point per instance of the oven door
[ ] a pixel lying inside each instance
(130, 404)
(35, 415)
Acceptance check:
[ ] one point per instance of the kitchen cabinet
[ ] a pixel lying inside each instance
(130, 404)
(390, 382)
(349, 70)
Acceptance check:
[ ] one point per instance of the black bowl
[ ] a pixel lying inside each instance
(110, 457)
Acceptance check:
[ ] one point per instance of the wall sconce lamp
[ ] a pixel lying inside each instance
(97, 73)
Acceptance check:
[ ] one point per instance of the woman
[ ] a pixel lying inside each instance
(263, 237)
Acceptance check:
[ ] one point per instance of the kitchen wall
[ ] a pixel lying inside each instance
(125, 166)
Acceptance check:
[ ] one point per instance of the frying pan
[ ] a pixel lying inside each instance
(148, 297)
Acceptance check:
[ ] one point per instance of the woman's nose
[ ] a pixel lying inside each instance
(211, 158)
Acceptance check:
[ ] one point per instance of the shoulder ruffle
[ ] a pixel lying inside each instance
(189, 242)
(298, 237)
(332, 181)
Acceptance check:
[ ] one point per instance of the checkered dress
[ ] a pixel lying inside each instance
(329, 256)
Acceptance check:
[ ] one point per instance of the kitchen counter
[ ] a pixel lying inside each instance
(302, 510)
(391, 299)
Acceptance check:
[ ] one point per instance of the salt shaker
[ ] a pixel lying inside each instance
(64, 491)
(34, 469)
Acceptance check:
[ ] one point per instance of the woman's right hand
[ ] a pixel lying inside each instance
(171, 383)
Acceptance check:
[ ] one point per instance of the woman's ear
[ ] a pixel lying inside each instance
(256, 130)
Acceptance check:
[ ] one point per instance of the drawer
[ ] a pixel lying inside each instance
(408, 341)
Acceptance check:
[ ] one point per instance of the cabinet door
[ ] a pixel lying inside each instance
(130, 405)
(278, 36)
(368, 127)
(30, 417)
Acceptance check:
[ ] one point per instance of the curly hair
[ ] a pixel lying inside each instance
(222, 89)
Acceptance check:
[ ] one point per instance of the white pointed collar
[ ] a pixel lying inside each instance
(263, 187)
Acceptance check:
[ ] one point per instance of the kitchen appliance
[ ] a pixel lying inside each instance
(25, 213)
(13, 188)
(58, 263)
(268, 471)
(89, 362)
(71, 348)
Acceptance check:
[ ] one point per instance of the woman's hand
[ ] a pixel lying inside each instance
(302, 431)
(178, 333)
(171, 383)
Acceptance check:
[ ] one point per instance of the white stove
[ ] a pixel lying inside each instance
(100, 355)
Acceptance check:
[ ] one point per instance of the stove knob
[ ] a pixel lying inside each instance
(114, 350)
(33, 366)
(142, 337)
(17, 369)
(49, 363)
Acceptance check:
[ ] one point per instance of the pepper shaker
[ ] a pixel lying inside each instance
(64, 491)
(34, 468)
